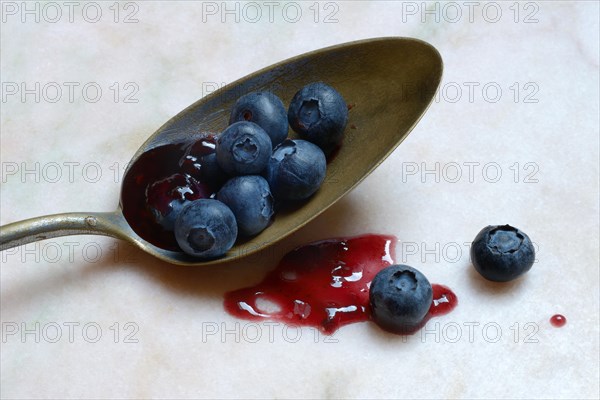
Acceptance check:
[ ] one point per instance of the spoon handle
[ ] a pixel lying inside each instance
(51, 226)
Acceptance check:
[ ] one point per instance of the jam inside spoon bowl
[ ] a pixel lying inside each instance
(388, 84)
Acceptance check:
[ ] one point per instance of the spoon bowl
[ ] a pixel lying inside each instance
(388, 84)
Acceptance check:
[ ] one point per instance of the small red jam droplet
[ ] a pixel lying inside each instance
(325, 285)
(558, 321)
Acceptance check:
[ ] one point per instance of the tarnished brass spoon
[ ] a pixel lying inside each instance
(389, 84)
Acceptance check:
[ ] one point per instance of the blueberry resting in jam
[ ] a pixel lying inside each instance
(249, 197)
(319, 114)
(243, 148)
(205, 228)
(264, 109)
(400, 297)
(166, 197)
(296, 170)
(502, 253)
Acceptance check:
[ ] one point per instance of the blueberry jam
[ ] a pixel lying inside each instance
(325, 285)
(160, 182)
(558, 321)
(166, 197)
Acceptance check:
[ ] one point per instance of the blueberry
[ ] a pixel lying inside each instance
(202, 145)
(264, 109)
(319, 114)
(205, 228)
(210, 172)
(296, 170)
(249, 197)
(400, 297)
(502, 253)
(243, 148)
(166, 197)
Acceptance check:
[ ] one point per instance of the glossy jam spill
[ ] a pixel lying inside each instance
(325, 285)
(177, 164)
(558, 321)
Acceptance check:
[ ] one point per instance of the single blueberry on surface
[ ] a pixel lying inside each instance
(264, 109)
(400, 297)
(501, 253)
(166, 197)
(206, 228)
(319, 114)
(250, 200)
(296, 170)
(243, 148)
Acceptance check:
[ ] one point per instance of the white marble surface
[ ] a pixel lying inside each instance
(175, 54)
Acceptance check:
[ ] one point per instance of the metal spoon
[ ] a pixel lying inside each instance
(388, 82)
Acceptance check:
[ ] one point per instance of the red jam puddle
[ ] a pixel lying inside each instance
(160, 175)
(325, 285)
